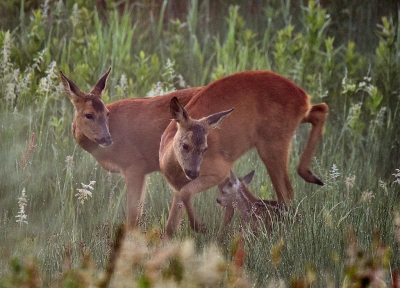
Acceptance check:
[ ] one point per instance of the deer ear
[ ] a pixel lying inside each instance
(247, 179)
(100, 86)
(70, 87)
(179, 114)
(233, 178)
(214, 120)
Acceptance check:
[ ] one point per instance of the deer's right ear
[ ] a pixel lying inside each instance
(70, 87)
(178, 113)
(247, 179)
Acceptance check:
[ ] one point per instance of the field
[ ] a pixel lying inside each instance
(349, 232)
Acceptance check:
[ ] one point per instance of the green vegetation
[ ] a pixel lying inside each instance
(349, 233)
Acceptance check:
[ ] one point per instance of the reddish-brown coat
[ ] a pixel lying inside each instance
(135, 126)
(267, 110)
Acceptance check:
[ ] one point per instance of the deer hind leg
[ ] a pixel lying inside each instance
(275, 155)
(135, 191)
(316, 117)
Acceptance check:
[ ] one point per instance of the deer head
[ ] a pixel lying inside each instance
(91, 115)
(230, 188)
(190, 141)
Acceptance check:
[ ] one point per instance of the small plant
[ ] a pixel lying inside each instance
(83, 192)
(397, 175)
(22, 203)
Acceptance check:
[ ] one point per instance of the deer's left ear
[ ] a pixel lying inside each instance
(247, 179)
(179, 114)
(214, 120)
(233, 178)
(100, 86)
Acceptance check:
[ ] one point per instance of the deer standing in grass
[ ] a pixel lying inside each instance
(267, 110)
(123, 136)
(233, 193)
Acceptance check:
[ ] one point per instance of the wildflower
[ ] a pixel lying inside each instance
(384, 186)
(349, 183)
(22, 202)
(47, 83)
(83, 193)
(397, 175)
(367, 196)
(6, 63)
(334, 172)
(45, 8)
(169, 80)
(75, 17)
(39, 59)
(23, 163)
(69, 163)
(122, 86)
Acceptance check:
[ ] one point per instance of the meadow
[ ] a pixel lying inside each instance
(349, 233)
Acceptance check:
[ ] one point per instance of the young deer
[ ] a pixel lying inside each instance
(233, 193)
(268, 109)
(123, 136)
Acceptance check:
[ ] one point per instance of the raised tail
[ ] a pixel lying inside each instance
(316, 116)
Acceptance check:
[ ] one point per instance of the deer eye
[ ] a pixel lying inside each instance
(185, 147)
(108, 114)
(89, 116)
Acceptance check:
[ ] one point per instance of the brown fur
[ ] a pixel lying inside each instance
(268, 109)
(233, 193)
(134, 127)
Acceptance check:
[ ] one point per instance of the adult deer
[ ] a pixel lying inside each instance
(233, 193)
(268, 109)
(123, 136)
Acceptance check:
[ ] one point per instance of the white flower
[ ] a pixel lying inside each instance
(22, 202)
(83, 193)
(397, 175)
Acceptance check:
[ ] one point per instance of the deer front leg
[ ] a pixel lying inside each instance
(184, 197)
(135, 190)
(175, 215)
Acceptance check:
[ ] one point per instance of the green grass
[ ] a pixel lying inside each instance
(357, 78)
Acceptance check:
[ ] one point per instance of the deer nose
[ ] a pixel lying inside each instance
(218, 201)
(105, 141)
(191, 174)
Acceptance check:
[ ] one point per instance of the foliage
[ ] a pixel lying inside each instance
(53, 238)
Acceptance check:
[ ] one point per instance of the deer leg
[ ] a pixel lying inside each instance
(175, 215)
(202, 183)
(275, 156)
(135, 190)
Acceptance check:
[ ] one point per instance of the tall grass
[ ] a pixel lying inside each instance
(355, 211)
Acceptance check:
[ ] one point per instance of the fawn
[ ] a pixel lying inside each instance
(234, 194)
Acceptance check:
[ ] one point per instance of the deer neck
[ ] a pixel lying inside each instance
(83, 141)
(245, 200)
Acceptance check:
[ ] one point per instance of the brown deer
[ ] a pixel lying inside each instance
(268, 109)
(123, 136)
(233, 193)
